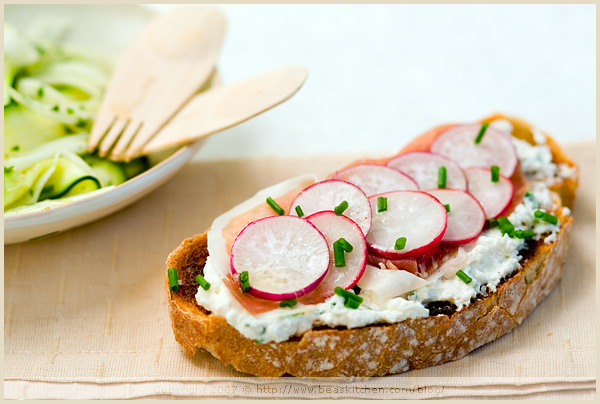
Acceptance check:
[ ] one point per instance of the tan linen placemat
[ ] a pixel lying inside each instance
(86, 317)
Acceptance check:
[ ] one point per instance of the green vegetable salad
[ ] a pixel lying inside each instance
(51, 93)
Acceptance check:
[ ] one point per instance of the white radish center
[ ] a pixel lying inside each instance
(415, 215)
(424, 168)
(284, 255)
(329, 194)
(374, 179)
(466, 217)
(494, 197)
(333, 228)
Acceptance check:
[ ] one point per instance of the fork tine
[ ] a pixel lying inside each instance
(143, 136)
(111, 136)
(104, 120)
(128, 134)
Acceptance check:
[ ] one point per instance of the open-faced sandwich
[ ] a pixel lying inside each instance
(386, 265)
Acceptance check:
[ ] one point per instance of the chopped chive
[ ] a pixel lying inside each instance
(506, 227)
(338, 256)
(173, 284)
(40, 92)
(245, 281)
(275, 206)
(70, 111)
(442, 177)
(447, 206)
(351, 303)
(81, 123)
(381, 204)
(524, 233)
(204, 284)
(341, 208)
(351, 300)
(339, 247)
(68, 129)
(495, 173)
(55, 108)
(546, 217)
(484, 127)
(400, 243)
(15, 148)
(344, 245)
(8, 169)
(528, 194)
(299, 211)
(492, 222)
(288, 303)
(463, 276)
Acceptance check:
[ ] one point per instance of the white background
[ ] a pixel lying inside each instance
(381, 74)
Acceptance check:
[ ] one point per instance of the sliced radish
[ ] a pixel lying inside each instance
(494, 197)
(285, 257)
(328, 194)
(334, 227)
(423, 167)
(415, 215)
(466, 217)
(389, 283)
(376, 179)
(495, 148)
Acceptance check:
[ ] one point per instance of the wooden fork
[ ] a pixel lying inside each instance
(165, 66)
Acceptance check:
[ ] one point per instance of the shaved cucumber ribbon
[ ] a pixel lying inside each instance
(217, 245)
(74, 144)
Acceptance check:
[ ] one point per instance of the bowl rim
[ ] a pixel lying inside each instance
(178, 153)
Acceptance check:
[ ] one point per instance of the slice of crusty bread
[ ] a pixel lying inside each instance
(382, 348)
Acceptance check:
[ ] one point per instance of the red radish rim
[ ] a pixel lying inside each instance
(278, 296)
(502, 177)
(324, 210)
(365, 255)
(461, 241)
(416, 252)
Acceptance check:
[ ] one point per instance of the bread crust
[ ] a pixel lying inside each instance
(380, 349)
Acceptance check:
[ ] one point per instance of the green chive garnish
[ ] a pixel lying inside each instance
(288, 303)
(245, 281)
(506, 227)
(351, 303)
(204, 284)
(339, 247)
(447, 206)
(528, 194)
(70, 111)
(173, 284)
(524, 233)
(400, 244)
(492, 222)
(495, 173)
(275, 206)
(463, 276)
(484, 127)
(546, 217)
(299, 211)
(381, 204)
(341, 208)
(55, 108)
(442, 177)
(8, 169)
(351, 300)
(15, 148)
(81, 123)
(40, 92)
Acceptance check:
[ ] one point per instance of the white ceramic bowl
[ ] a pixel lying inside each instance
(108, 29)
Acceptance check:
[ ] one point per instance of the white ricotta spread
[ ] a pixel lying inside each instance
(493, 257)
